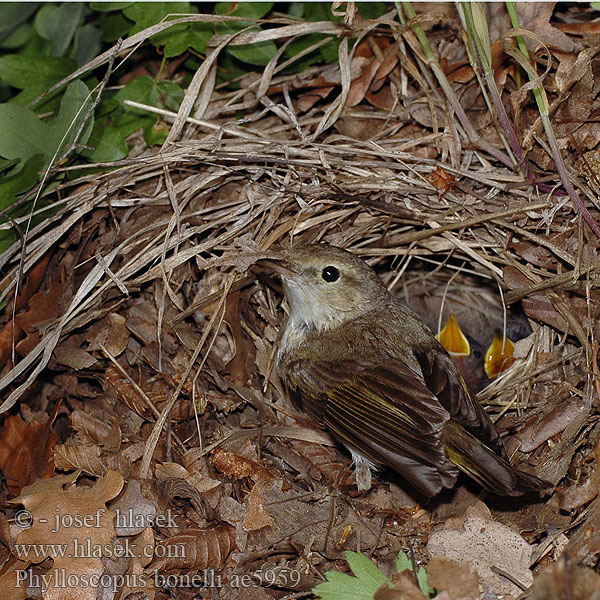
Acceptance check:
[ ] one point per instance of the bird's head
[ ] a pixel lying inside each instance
(326, 286)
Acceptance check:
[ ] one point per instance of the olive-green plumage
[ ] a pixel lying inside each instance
(367, 368)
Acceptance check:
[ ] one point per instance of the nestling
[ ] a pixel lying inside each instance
(368, 369)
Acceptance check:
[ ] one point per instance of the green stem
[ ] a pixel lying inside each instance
(448, 91)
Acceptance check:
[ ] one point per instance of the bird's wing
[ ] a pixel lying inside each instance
(445, 382)
(386, 413)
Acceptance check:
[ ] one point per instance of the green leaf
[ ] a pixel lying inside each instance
(109, 6)
(14, 185)
(330, 50)
(156, 133)
(424, 583)
(58, 24)
(340, 586)
(146, 14)
(296, 9)
(22, 71)
(403, 563)
(319, 11)
(114, 26)
(12, 14)
(180, 41)
(171, 95)
(258, 54)
(371, 10)
(88, 41)
(24, 135)
(253, 10)
(75, 96)
(108, 143)
(5, 163)
(142, 89)
(7, 239)
(595, 5)
(19, 37)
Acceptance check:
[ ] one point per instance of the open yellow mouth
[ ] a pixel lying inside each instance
(453, 339)
(499, 355)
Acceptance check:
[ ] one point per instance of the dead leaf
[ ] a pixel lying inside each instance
(578, 495)
(195, 549)
(483, 544)
(237, 466)
(458, 580)
(26, 451)
(404, 588)
(256, 516)
(565, 579)
(75, 518)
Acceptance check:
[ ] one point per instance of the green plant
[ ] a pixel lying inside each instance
(367, 579)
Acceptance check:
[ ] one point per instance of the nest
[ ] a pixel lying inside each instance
(156, 323)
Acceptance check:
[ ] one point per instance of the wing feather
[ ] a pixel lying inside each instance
(386, 413)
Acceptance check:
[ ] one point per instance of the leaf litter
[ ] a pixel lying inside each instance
(140, 359)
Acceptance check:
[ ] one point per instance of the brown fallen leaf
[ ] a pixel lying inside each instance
(404, 588)
(256, 515)
(195, 549)
(26, 452)
(578, 495)
(565, 579)
(485, 546)
(237, 466)
(458, 580)
(76, 519)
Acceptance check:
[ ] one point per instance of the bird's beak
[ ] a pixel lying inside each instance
(277, 265)
(499, 355)
(453, 339)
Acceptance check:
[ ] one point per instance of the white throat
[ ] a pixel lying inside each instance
(307, 313)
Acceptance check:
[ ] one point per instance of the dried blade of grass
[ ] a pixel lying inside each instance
(130, 43)
(415, 236)
(253, 37)
(200, 78)
(154, 436)
(46, 346)
(335, 108)
(470, 131)
(480, 55)
(535, 83)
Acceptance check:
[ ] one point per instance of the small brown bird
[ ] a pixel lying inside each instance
(367, 368)
(466, 353)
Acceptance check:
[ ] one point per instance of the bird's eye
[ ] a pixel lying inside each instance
(477, 354)
(330, 274)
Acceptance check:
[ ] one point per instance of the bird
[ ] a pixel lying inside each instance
(466, 353)
(367, 368)
(485, 322)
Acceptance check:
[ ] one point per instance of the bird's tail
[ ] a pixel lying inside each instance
(481, 463)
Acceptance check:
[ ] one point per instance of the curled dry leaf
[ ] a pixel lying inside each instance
(554, 418)
(195, 549)
(126, 392)
(237, 466)
(87, 458)
(323, 459)
(42, 307)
